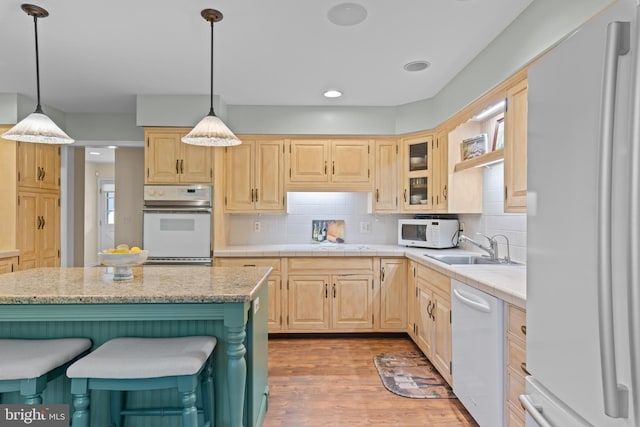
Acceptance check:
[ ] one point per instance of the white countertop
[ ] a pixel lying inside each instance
(508, 283)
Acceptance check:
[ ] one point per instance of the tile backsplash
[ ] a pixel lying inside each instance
(303, 207)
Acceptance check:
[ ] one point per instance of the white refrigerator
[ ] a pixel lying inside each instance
(583, 257)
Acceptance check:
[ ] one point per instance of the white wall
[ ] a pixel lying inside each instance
(493, 219)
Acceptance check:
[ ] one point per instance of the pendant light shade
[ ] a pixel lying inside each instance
(37, 126)
(211, 131)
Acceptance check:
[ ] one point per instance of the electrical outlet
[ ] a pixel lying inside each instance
(256, 226)
(365, 227)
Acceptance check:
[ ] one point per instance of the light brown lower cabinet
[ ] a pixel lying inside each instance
(393, 294)
(38, 229)
(432, 318)
(515, 364)
(8, 265)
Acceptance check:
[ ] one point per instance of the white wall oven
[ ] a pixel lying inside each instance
(177, 224)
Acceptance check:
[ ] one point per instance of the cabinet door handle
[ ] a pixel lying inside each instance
(523, 366)
(429, 309)
(182, 166)
(377, 195)
(523, 328)
(177, 166)
(405, 195)
(43, 222)
(382, 274)
(39, 222)
(334, 290)
(256, 194)
(325, 167)
(44, 172)
(38, 174)
(252, 199)
(326, 290)
(444, 192)
(333, 167)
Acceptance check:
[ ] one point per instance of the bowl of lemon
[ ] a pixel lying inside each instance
(122, 258)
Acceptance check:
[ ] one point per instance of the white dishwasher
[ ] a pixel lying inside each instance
(477, 352)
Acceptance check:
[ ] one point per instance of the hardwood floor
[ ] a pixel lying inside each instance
(332, 381)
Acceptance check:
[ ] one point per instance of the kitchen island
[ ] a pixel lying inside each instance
(160, 301)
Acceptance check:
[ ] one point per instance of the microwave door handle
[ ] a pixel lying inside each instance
(615, 395)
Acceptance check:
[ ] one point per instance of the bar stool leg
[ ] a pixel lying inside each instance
(33, 399)
(208, 396)
(80, 410)
(116, 402)
(189, 411)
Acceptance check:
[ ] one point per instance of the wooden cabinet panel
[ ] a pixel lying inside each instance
(254, 180)
(352, 264)
(442, 336)
(393, 294)
(250, 262)
(441, 171)
(515, 149)
(269, 176)
(309, 302)
(417, 174)
(412, 299)
(352, 305)
(514, 363)
(38, 166)
(274, 308)
(170, 161)
(38, 229)
(333, 165)
(350, 161)
(309, 161)
(8, 265)
(424, 331)
(386, 176)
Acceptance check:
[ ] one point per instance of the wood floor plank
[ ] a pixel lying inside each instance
(332, 381)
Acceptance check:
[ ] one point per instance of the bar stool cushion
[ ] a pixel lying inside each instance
(132, 357)
(32, 358)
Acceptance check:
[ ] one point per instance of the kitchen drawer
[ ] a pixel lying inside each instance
(515, 385)
(436, 279)
(249, 262)
(515, 415)
(517, 355)
(330, 264)
(517, 322)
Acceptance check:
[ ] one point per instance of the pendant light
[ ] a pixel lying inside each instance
(37, 126)
(211, 131)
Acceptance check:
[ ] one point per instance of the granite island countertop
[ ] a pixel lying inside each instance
(505, 282)
(150, 284)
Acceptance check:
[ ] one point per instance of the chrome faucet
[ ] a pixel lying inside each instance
(492, 249)
(507, 258)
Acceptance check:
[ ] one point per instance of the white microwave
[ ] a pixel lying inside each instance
(428, 233)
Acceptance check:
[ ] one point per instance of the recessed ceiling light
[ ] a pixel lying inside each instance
(416, 66)
(332, 94)
(346, 14)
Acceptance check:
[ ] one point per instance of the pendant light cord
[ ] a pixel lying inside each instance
(35, 25)
(211, 113)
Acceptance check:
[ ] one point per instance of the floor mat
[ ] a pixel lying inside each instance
(410, 374)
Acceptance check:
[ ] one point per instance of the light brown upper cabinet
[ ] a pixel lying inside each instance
(417, 174)
(515, 149)
(254, 176)
(39, 166)
(329, 164)
(440, 171)
(385, 196)
(170, 161)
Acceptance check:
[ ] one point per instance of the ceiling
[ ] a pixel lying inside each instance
(96, 56)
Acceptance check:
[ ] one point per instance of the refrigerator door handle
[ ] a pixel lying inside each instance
(634, 233)
(615, 395)
(534, 410)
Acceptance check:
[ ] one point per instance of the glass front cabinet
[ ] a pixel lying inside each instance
(417, 172)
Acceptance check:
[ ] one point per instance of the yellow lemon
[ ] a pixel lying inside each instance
(120, 251)
(135, 250)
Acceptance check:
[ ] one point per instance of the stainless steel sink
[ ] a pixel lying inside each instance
(469, 259)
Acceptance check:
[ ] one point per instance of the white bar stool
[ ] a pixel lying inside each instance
(127, 364)
(27, 365)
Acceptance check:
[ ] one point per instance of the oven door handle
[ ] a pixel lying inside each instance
(156, 209)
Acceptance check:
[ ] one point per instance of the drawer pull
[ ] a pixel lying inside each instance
(249, 265)
(523, 366)
(523, 328)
